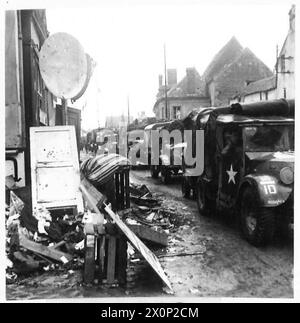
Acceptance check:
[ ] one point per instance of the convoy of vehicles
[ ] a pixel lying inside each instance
(248, 166)
(248, 163)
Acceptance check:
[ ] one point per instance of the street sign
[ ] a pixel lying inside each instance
(64, 66)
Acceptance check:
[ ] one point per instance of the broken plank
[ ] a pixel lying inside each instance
(149, 202)
(89, 259)
(140, 246)
(58, 245)
(148, 234)
(44, 250)
(93, 197)
(122, 260)
(182, 254)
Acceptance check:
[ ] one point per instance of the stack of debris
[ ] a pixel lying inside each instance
(46, 240)
(149, 210)
(42, 243)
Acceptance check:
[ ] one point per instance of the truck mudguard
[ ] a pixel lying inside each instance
(270, 190)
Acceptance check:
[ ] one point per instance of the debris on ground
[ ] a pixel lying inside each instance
(44, 241)
(40, 241)
(150, 209)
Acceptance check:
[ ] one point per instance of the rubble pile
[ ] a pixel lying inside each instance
(151, 210)
(48, 242)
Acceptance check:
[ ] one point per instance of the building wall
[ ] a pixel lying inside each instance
(212, 92)
(260, 96)
(286, 69)
(186, 106)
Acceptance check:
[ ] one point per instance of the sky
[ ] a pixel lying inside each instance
(126, 39)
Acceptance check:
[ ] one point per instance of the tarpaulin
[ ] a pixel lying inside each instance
(100, 169)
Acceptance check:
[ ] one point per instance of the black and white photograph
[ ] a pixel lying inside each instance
(149, 150)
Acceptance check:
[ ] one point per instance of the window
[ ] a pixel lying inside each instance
(162, 112)
(176, 112)
(269, 138)
(282, 61)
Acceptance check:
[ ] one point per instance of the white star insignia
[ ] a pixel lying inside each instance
(231, 173)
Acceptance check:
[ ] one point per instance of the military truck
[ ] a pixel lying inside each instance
(248, 166)
(170, 149)
(149, 143)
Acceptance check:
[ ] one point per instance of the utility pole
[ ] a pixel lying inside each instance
(276, 68)
(128, 112)
(98, 105)
(166, 94)
(64, 104)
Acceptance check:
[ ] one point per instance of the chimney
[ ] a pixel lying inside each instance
(191, 80)
(160, 80)
(292, 18)
(172, 76)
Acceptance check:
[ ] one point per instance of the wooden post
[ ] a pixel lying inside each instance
(122, 259)
(64, 104)
(101, 257)
(89, 261)
(111, 261)
(117, 184)
(127, 188)
(122, 200)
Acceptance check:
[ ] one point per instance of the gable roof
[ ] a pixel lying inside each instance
(263, 85)
(248, 65)
(225, 56)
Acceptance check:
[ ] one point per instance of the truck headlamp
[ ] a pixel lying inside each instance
(287, 175)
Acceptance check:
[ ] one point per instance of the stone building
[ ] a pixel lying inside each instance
(231, 70)
(261, 90)
(280, 85)
(286, 63)
(182, 97)
(228, 74)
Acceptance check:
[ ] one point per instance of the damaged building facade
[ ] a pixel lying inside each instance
(28, 102)
(282, 83)
(182, 97)
(232, 68)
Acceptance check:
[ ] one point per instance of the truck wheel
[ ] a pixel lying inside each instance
(185, 188)
(165, 176)
(154, 171)
(257, 223)
(204, 205)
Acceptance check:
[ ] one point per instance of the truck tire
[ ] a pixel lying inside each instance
(185, 188)
(154, 170)
(257, 223)
(165, 175)
(204, 204)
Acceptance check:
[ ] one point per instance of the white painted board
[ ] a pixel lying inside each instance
(55, 177)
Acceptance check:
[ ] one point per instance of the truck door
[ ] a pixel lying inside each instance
(230, 158)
